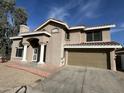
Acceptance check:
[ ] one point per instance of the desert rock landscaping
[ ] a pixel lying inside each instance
(11, 78)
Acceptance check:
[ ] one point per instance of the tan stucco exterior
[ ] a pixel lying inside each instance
(112, 58)
(13, 53)
(54, 47)
(75, 37)
(55, 52)
(79, 36)
(106, 35)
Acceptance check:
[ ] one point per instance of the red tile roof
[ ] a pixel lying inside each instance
(94, 44)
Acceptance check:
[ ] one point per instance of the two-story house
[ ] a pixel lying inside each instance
(54, 42)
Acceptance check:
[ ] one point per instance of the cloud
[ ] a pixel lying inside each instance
(119, 28)
(116, 30)
(62, 12)
(90, 7)
(89, 10)
(85, 9)
(122, 25)
(58, 13)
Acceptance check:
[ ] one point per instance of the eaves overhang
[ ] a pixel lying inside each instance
(94, 45)
(106, 46)
(75, 27)
(35, 33)
(100, 27)
(16, 37)
(29, 34)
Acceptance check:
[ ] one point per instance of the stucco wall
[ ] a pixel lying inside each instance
(15, 44)
(75, 37)
(54, 49)
(106, 35)
(48, 28)
(83, 37)
(41, 38)
(29, 53)
(112, 60)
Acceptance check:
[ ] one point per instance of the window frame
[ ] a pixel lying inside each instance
(93, 37)
(17, 55)
(98, 37)
(67, 35)
(89, 36)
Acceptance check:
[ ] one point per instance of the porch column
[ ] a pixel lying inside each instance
(25, 52)
(113, 62)
(66, 57)
(41, 53)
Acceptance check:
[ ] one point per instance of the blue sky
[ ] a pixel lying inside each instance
(77, 12)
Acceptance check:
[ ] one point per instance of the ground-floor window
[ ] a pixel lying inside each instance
(19, 52)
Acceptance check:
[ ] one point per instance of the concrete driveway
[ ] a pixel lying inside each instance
(80, 80)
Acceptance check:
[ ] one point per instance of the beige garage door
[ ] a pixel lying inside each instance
(91, 59)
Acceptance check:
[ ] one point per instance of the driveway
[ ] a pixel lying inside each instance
(80, 80)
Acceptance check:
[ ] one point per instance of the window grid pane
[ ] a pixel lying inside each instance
(89, 36)
(94, 36)
(19, 52)
(97, 36)
(67, 35)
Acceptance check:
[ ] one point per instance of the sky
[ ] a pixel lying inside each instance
(77, 12)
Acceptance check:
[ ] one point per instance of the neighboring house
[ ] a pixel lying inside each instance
(54, 42)
(120, 59)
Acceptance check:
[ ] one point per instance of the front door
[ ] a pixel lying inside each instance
(35, 55)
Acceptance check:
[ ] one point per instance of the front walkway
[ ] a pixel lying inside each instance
(14, 74)
(43, 70)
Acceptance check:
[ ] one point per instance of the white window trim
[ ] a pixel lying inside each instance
(33, 55)
(16, 51)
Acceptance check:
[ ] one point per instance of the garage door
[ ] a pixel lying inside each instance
(91, 59)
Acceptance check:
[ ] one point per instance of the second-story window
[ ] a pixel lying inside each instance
(94, 36)
(67, 35)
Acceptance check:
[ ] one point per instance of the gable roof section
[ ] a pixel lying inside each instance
(76, 27)
(52, 20)
(111, 44)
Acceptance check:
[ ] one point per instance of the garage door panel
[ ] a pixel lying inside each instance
(88, 59)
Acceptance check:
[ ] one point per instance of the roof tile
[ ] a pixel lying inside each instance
(94, 43)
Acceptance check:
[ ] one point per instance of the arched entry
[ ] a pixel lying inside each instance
(34, 42)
